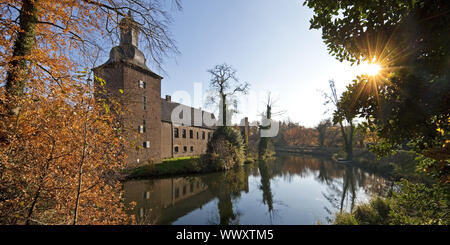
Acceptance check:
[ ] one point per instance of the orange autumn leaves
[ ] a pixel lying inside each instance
(60, 153)
(61, 146)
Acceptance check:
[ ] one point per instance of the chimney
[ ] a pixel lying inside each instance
(168, 98)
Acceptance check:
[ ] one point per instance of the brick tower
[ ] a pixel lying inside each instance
(138, 89)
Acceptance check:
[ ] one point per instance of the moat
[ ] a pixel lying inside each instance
(289, 189)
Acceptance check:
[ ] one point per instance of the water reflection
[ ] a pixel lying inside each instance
(294, 189)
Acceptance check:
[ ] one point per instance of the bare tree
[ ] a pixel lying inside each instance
(224, 87)
(347, 136)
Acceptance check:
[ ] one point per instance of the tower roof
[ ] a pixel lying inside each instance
(128, 51)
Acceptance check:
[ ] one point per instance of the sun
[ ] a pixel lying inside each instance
(371, 69)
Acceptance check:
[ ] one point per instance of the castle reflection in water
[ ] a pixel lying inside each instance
(295, 189)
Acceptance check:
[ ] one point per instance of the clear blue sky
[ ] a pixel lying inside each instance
(270, 45)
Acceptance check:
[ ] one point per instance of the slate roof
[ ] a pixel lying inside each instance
(167, 107)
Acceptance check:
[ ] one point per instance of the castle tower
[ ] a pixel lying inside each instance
(138, 89)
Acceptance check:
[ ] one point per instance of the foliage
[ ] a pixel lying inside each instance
(59, 147)
(225, 150)
(420, 205)
(58, 160)
(408, 102)
(301, 136)
(376, 212)
(413, 204)
(322, 131)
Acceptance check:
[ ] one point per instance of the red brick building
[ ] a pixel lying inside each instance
(151, 133)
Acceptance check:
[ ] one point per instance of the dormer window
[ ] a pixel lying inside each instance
(146, 144)
(141, 84)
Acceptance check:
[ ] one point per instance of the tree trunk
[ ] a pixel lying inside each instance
(24, 43)
(224, 110)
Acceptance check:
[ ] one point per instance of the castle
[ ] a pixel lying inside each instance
(149, 128)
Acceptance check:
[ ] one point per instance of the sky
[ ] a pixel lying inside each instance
(268, 43)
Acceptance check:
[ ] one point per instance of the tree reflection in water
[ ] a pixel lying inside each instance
(226, 194)
(227, 187)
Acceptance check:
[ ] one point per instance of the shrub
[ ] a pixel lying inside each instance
(414, 204)
(345, 219)
(225, 150)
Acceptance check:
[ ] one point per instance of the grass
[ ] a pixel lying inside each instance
(168, 167)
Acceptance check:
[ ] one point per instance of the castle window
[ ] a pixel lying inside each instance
(184, 133)
(203, 135)
(192, 148)
(197, 134)
(176, 149)
(177, 193)
(144, 103)
(146, 144)
(209, 135)
(141, 128)
(185, 148)
(191, 134)
(176, 133)
(141, 84)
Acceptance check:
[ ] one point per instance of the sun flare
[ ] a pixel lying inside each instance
(371, 69)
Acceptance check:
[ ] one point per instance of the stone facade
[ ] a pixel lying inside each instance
(147, 118)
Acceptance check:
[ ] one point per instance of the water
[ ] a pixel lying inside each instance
(287, 190)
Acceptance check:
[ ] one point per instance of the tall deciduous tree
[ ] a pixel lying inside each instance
(344, 111)
(322, 131)
(408, 102)
(225, 86)
(60, 149)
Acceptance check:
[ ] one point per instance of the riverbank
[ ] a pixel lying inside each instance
(401, 165)
(170, 168)
(309, 150)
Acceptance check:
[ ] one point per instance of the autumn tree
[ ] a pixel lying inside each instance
(301, 136)
(60, 149)
(322, 130)
(344, 112)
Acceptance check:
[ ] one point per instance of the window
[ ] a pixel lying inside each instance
(146, 144)
(144, 103)
(176, 149)
(185, 148)
(192, 148)
(176, 133)
(147, 195)
(209, 135)
(203, 135)
(141, 128)
(177, 192)
(141, 84)
(197, 134)
(192, 187)
(191, 134)
(184, 190)
(184, 133)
